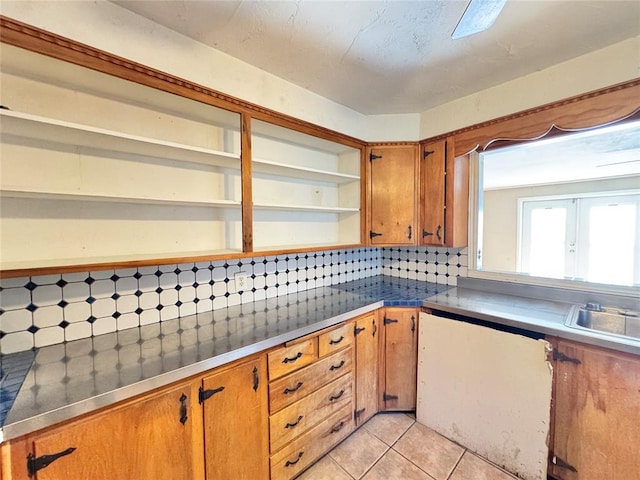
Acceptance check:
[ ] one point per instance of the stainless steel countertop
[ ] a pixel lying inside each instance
(69, 379)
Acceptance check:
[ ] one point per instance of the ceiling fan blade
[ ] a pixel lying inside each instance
(478, 16)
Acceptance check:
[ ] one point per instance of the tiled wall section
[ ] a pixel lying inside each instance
(46, 310)
(430, 264)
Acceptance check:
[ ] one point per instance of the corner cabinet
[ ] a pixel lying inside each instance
(393, 187)
(444, 195)
(398, 359)
(595, 414)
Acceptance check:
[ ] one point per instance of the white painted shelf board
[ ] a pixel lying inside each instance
(52, 195)
(304, 208)
(285, 170)
(142, 257)
(306, 246)
(58, 131)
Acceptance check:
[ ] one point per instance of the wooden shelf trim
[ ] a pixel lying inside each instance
(58, 131)
(304, 208)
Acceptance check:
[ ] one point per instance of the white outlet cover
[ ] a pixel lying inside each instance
(240, 280)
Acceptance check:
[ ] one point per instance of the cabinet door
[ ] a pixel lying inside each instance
(393, 187)
(236, 422)
(399, 359)
(153, 437)
(597, 407)
(432, 193)
(366, 338)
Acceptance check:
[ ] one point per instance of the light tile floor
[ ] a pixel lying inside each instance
(393, 446)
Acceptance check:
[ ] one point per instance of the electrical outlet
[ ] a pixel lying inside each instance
(240, 279)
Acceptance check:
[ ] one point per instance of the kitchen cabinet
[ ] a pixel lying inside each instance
(393, 187)
(367, 351)
(156, 436)
(398, 358)
(311, 399)
(236, 421)
(444, 195)
(595, 413)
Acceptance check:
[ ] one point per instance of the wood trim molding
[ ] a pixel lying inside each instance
(588, 110)
(22, 35)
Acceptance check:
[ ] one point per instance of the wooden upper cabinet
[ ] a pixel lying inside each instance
(444, 195)
(596, 412)
(236, 422)
(393, 183)
(152, 437)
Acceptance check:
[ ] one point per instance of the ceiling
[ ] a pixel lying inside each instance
(382, 57)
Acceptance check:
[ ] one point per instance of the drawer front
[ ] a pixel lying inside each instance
(306, 449)
(294, 420)
(288, 359)
(334, 340)
(285, 391)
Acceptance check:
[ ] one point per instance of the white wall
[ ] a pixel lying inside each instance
(611, 65)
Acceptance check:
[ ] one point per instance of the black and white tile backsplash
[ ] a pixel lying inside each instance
(46, 310)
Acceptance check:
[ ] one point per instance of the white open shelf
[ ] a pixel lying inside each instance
(285, 170)
(61, 132)
(303, 208)
(53, 195)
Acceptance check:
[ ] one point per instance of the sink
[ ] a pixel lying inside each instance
(609, 320)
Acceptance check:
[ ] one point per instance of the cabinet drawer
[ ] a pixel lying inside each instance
(334, 340)
(291, 388)
(289, 359)
(294, 420)
(304, 450)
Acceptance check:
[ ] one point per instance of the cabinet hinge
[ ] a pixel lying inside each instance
(427, 153)
(388, 320)
(374, 234)
(386, 397)
(357, 330)
(205, 394)
(38, 463)
(373, 156)
(557, 461)
(561, 357)
(357, 413)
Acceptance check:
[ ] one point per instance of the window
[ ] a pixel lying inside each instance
(575, 238)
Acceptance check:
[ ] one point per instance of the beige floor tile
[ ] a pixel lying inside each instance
(393, 466)
(430, 451)
(325, 469)
(358, 452)
(389, 427)
(472, 467)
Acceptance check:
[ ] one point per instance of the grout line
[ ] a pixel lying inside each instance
(340, 467)
(465, 450)
(375, 463)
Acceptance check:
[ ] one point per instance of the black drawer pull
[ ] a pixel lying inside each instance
(287, 391)
(256, 379)
(337, 427)
(333, 398)
(290, 463)
(337, 367)
(34, 464)
(291, 425)
(292, 359)
(335, 342)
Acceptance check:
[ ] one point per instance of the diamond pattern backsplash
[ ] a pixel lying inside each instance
(45, 310)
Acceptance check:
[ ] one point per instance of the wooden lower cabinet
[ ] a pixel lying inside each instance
(367, 350)
(235, 422)
(596, 414)
(155, 436)
(398, 359)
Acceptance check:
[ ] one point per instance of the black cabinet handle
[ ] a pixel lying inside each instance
(336, 367)
(337, 427)
(38, 463)
(335, 342)
(413, 323)
(409, 235)
(375, 328)
(256, 379)
(183, 409)
(291, 425)
(333, 398)
(290, 462)
(287, 391)
(438, 232)
(292, 359)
